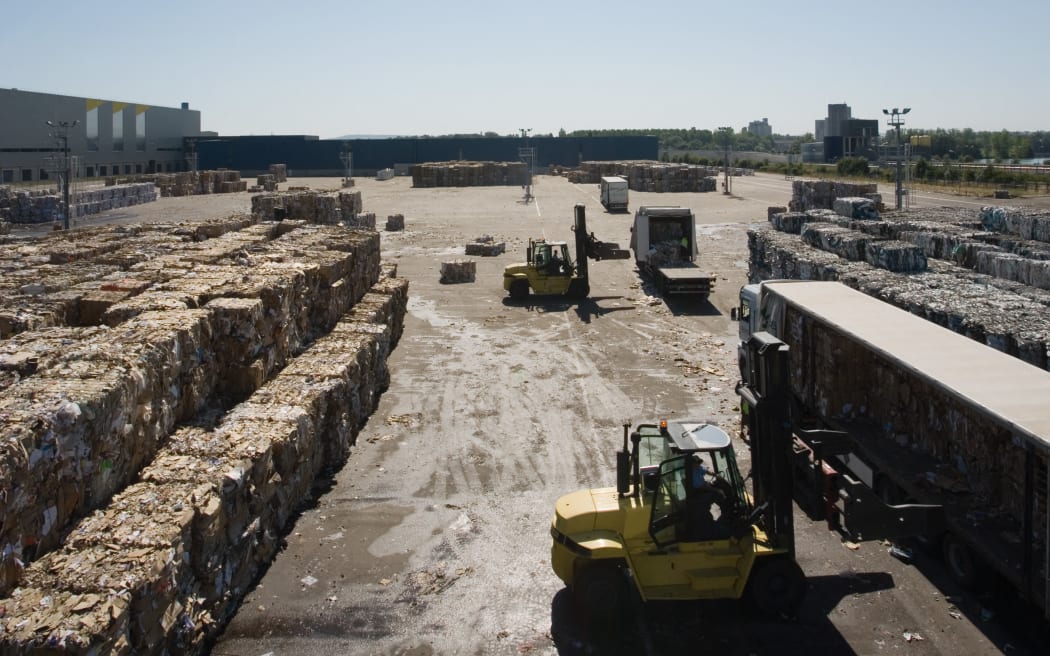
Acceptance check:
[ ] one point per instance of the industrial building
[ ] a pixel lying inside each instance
(840, 135)
(760, 128)
(309, 156)
(108, 137)
(101, 137)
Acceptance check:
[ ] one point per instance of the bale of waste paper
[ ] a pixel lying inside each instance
(395, 222)
(855, 207)
(486, 246)
(455, 271)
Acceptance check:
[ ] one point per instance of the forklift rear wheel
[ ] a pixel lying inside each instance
(777, 586)
(601, 592)
(961, 562)
(519, 290)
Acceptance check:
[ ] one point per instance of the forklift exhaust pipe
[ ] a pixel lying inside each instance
(623, 466)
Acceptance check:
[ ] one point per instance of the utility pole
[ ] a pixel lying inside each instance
(896, 121)
(528, 155)
(62, 132)
(726, 184)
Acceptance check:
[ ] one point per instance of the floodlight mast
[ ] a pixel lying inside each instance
(896, 121)
(527, 154)
(61, 132)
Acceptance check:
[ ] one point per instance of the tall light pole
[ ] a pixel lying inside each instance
(726, 132)
(527, 155)
(896, 121)
(62, 132)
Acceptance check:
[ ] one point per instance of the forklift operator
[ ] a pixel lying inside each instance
(709, 501)
(555, 262)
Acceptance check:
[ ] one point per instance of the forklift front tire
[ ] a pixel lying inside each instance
(519, 290)
(601, 591)
(776, 587)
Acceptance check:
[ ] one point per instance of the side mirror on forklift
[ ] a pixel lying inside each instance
(733, 314)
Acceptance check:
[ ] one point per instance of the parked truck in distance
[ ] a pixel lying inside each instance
(614, 194)
(929, 417)
(664, 243)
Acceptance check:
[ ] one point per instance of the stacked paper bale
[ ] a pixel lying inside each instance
(267, 182)
(162, 566)
(363, 220)
(854, 207)
(858, 246)
(279, 172)
(821, 194)
(1026, 223)
(350, 204)
(456, 271)
(207, 319)
(1004, 315)
(485, 246)
(328, 208)
(469, 174)
(29, 206)
(654, 176)
(395, 222)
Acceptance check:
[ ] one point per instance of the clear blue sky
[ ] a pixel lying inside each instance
(335, 67)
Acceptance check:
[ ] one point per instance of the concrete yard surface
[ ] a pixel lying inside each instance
(433, 538)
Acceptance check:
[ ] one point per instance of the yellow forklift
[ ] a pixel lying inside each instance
(548, 270)
(681, 524)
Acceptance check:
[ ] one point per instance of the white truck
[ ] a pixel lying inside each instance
(664, 243)
(614, 194)
(932, 417)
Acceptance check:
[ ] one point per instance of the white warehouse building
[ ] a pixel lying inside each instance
(104, 137)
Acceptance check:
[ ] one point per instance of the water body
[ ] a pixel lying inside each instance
(1034, 161)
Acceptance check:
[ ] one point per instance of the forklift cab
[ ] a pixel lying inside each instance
(699, 494)
(550, 258)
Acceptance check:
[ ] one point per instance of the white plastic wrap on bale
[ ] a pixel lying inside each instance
(456, 271)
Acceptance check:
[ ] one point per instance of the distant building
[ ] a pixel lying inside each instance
(109, 137)
(106, 137)
(844, 136)
(760, 128)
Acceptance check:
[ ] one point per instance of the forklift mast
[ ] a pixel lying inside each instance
(766, 394)
(590, 247)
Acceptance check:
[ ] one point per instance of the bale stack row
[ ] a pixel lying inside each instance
(821, 194)
(670, 178)
(161, 567)
(654, 176)
(29, 206)
(46, 206)
(322, 207)
(469, 174)
(1001, 313)
(94, 201)
(84, 408)
(188, 183)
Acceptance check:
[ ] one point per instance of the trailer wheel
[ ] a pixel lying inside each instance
(601, 592)
(519, 290)
(961, 561)
(776, 586)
